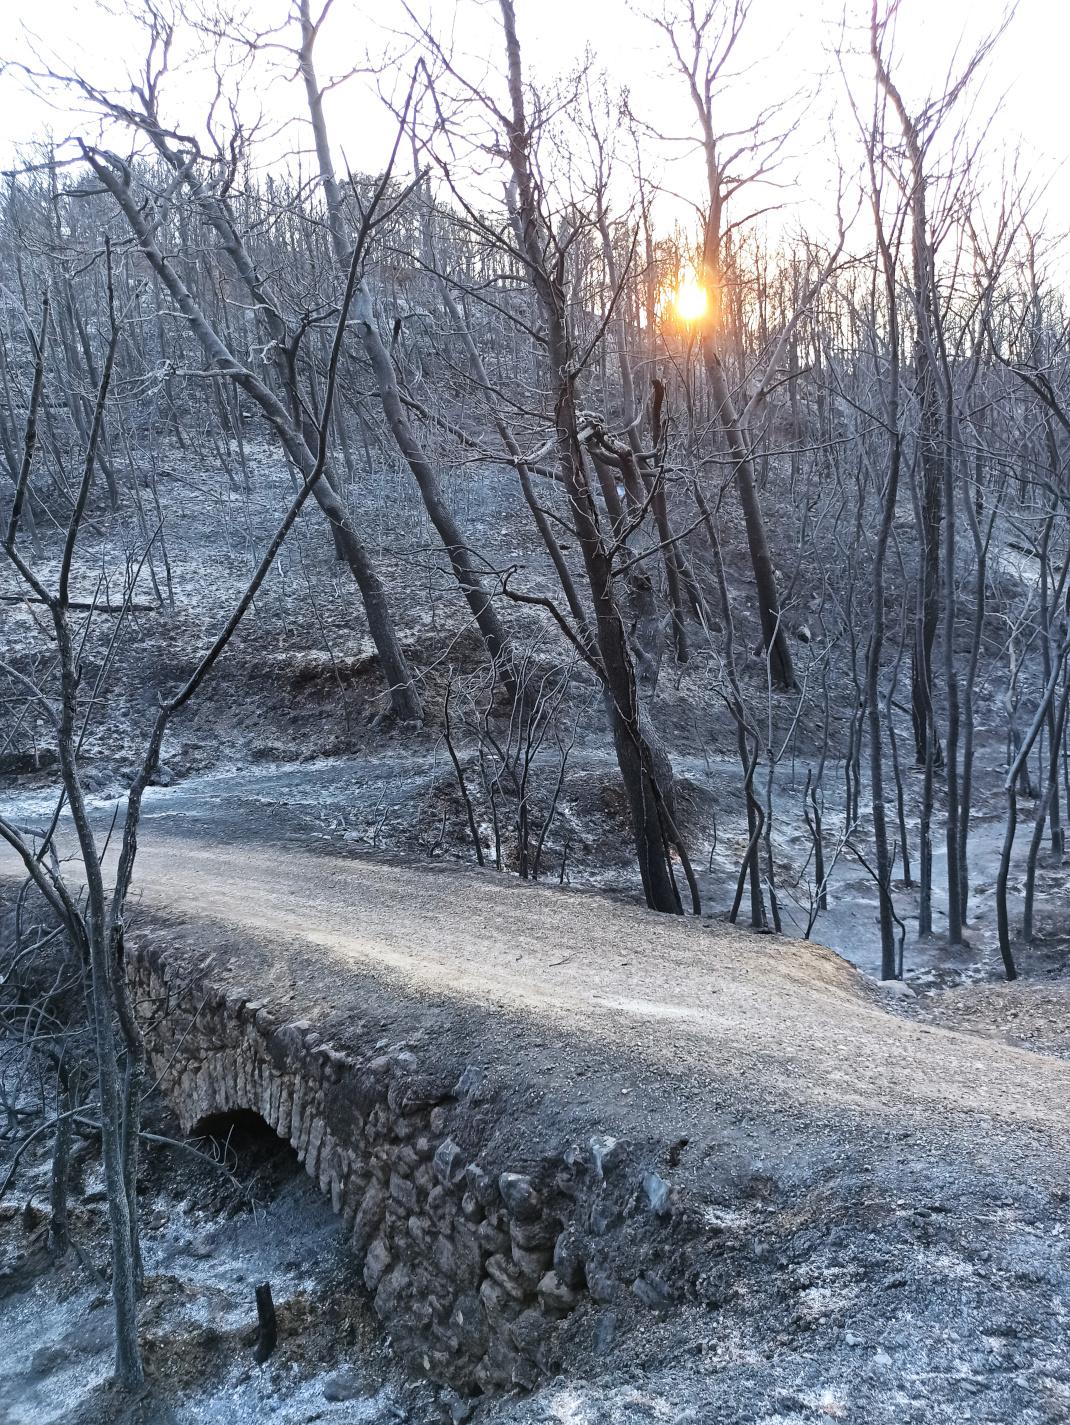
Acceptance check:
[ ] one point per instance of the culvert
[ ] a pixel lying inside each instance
(478, 1267)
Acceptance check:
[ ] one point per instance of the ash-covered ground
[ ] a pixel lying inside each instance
(853, 1289)
(900, 1295)
(291, 725)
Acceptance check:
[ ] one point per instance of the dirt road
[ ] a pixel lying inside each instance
(753, 1022)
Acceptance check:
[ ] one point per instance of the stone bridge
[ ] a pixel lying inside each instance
(561, 1131)
(477, 1236)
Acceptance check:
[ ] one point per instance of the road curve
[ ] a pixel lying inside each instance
(778, 1028)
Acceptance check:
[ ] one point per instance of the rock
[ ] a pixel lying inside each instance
(391, 1289)
(604, 1216)
(405, 1160)
(656, 1191)
(519, 1196)
(652, 1291)
(568, 1182)
(605, 1333)
(895, 989)
(460, 1410)
(376, 1263)
(46, 1359)
(606, 1153)
(528, 1332)
(471, 1209)
(369, 1215)
(568, 1258)
(500, 1361)
(601, 1284)
(505, 1275)
(346, 1385)
(481, 1185)
(492, 1239)
(441, 1208)
(448, 1163)
(852, 1339)
(469, 1321)
(534, 1236)
(469, 1087)
(499, 1307)
(444, 1256)
(403, 1192)
(530, 1265)
(524, 1374)
(555, 1295)
(422, 1232)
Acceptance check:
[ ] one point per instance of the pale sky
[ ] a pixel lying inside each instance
(792, 40)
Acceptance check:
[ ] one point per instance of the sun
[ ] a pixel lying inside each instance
(690, 299)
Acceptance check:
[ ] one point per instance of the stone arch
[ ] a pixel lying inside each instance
(473, 1269)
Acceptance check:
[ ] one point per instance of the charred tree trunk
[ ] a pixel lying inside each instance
(457, 547)
(774, 633)
(115, 177)
(649, 799)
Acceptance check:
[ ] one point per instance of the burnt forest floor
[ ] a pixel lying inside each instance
(916, 1295)
(291, 734)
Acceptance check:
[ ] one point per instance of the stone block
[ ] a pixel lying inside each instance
(469, 1320)
(369, 1215)
(448, 1163)
(568, 1258)
(530, 1265)
(441, 1207)
(403, 1192)
(482, 1186)
(555, 1296)
(520, 1198)
(376, 1262)
(506, 1276)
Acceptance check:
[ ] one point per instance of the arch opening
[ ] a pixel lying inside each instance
(247, 1143)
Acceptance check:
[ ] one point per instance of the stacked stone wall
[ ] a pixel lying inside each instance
(472, 1268)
